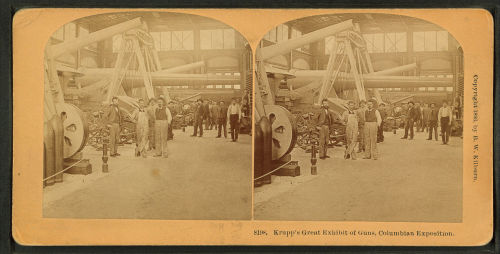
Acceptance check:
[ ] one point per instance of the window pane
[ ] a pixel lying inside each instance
(430, 41)
(369, 42)
(237, 87)
(418, 41)
(279, 31)
(229, 39)
(390, 42)
(187, 40)
(69, 31)
(157, 39)
(166, 41)
(449, 89)
(442, 41)
(228, 86)
(272, 35)
(378, 42)
(217, 39)
(205, 39)
(285, 32)
(401, 42)
(440, 88)
(176, 40)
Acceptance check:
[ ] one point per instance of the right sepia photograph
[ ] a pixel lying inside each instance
(358, 117)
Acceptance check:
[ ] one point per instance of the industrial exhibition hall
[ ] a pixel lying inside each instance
(147, 116)
(358, 117)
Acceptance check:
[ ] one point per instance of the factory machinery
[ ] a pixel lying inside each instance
(349, 76)
(136, 73)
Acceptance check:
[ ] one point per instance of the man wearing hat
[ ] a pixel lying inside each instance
(383, 116)
(114, 119)
(372, 122)
(163, 118)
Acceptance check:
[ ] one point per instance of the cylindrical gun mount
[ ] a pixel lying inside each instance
(57, 126)
(49, 153)
(258, 155)
(267, 148)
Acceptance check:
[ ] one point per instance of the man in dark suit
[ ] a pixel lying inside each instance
(325, 119)
(411, 116)
(206, 114)
(114, 120)
(199, 115)
(222, 119)
(433, 121)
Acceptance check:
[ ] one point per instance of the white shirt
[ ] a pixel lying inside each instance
(233, 110)
(445, 112)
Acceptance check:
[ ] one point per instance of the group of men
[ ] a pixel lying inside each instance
(152, 127)
(218, 115)
(365, 125)
(154, 123)
(428, 119)
(362, 125)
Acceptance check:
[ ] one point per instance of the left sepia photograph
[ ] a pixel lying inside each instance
(147, 115)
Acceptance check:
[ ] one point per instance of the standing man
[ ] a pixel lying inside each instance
(221, 119)
(383, 115)
(361, 125)
(199, 115)
(163, 118)
(206, 114)
(214, 115)
(418, 118)
(114, 118)
(411, 116)
(433, 121)
(444, 119)
(141, 129)
(234, 117)
(372, 123)
(350, 119)
(425, 117)
(151, 122)
(325, 119)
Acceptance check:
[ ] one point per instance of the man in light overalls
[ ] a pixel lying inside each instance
(350, 119)
(141, 129)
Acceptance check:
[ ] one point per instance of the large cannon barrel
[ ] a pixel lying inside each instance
(57, 50)
(284, 47)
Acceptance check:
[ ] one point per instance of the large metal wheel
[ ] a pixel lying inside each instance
(76, 130)
(284, 130)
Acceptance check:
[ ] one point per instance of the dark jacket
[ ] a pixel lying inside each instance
(322, 118)
(206, 111)
(113, 115)
(199, 112)
(413, 114)
(433, 115)
(222, 113)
